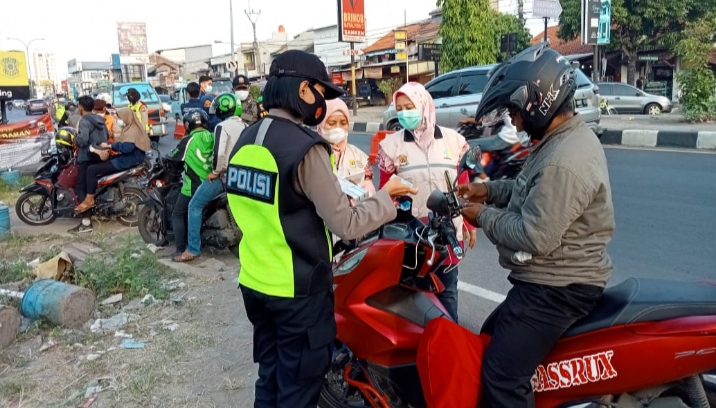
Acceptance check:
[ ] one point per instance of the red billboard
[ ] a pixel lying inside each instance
(351, 21)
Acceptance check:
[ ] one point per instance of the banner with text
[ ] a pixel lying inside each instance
(132, 43)
(605, 23)
(591, 11)
(13, 76)
(351, 21)
(23, 143)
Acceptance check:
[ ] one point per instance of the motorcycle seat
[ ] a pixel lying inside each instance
(647, 300)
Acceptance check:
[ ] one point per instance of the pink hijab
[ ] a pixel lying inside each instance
(425, 133)
(335, 107)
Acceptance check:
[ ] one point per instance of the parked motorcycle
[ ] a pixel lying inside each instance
(10, 106)
(52, 194)
(218, 229)
(648, 343)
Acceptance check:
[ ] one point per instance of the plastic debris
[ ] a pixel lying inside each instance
(131, 344)
(112, 299)
(113, 323)
(148, 300)
(122, 334)
(50, 344)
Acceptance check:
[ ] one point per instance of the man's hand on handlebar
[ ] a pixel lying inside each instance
(469, 120)
(396, 188)
(473, 192)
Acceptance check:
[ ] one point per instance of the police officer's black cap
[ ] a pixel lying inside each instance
(301, 64)
(240, 80)
(131, 91)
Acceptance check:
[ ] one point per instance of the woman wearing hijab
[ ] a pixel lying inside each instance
(126, 152)
(420, 154)
(351, 163)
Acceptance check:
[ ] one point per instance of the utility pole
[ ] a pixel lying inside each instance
(233, 50)
(257, 52)
(521, 11)
(546, 19)
(353, 79)
(407, 47)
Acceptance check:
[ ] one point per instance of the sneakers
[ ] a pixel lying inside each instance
(84, 227)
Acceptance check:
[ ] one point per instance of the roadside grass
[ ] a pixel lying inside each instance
(13, 266)
(9, 193)
(130, 269)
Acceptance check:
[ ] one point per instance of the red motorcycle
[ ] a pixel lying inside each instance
(648, 343)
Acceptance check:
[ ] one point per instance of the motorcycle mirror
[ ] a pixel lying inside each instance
(437, 203)
(471, 159)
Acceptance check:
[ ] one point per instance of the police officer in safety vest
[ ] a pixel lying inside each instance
(138, 107)
(287, 201)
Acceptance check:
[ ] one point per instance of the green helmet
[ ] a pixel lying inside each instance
(225, 106)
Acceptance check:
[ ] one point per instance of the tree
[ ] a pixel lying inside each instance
(697, 78)
(471, 31)
(638, 25)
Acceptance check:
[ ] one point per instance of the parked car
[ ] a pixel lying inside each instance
(18, 104)
(36, 106)
(586, 100)
(166, 103)
(457, 94)
(624, 99)
(155, 110)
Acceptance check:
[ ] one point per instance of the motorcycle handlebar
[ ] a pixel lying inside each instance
(447, 230)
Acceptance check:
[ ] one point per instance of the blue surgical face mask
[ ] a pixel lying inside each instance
(410, 119)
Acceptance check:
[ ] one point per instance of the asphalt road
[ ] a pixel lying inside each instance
(665, 205)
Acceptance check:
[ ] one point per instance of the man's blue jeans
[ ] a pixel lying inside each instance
(206, 192)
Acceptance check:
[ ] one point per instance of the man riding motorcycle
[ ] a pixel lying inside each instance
(551, 226)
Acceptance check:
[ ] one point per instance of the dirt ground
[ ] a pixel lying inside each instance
(197, 342)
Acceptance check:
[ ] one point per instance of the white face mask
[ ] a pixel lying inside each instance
(120, 123)
(524, 139)
(208, 89)
(242, 95)
(335, 135)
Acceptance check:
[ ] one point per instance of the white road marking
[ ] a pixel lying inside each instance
(480, 292)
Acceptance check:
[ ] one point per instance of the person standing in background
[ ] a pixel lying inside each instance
(138, 107)
(206, 98)
(194, 102)
(242, 89)
(420, 154)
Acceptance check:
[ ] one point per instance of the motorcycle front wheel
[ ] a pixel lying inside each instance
(150, 226)
(35, 209)
(133, 199)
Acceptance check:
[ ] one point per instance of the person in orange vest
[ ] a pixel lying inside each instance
(100, 108)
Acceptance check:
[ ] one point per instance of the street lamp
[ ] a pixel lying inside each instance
(27, 59)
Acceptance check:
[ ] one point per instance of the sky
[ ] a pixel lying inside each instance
(87, 31)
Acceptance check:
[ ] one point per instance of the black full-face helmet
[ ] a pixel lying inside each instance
(538, 82)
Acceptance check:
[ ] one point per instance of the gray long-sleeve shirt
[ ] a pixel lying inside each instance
(559, 209)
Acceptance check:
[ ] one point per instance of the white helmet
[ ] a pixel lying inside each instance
(105, 97)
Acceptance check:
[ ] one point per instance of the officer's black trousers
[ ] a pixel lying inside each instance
(293, 345)
(527, 326)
